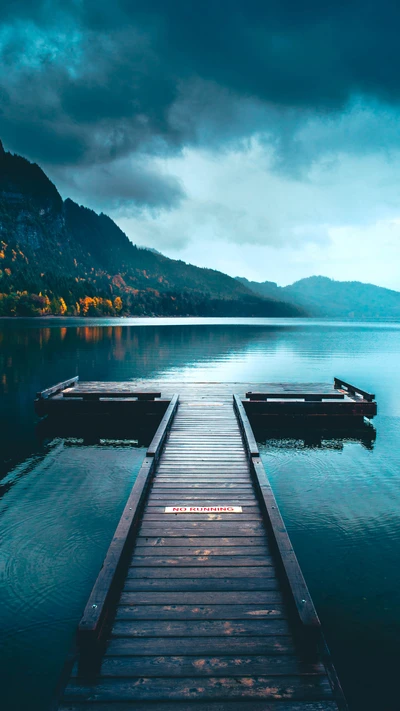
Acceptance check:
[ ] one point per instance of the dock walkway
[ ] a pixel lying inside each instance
(213, 613)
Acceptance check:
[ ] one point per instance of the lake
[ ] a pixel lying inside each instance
(60, 500)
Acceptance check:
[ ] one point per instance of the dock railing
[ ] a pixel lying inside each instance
(55, 389)
(306, 614)
(97, 611)
(353, 390)
(297, 586)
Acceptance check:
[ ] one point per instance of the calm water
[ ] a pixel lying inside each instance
(60, 500)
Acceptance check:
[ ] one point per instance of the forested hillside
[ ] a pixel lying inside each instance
(57, 257)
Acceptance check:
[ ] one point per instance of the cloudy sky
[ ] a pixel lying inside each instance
(259, 137)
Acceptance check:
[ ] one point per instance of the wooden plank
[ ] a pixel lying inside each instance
(208, 666)
(203, 453)
(206, 430)
(163, 428)
(214, 461)
(210, 474)
(241, 480)
(208, 466)
(113, 407)
(96, 611)
(238, 551)
(201, 469)
(354, 408)
(202, 561)
(203, 517)
(144, 646)
(182, 435)
(203, 476)
(199, 628)
(203, 706)
(198, 427)
(181, 481)
(97, 394)
(201, 479)
(222, 498)
(248, 436)
(205, 583)
(44, 394)
(295, 395)
(230, 443)
(223, 541)
(212, 529)
(160, 486)
(199, 612)
(190, 456)
(200, 447)
(219, 688)
(198, 572)
(174, 480)
(209, 500)
(202, 598)
(204, 494)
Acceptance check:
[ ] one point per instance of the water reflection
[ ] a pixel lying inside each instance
(100, 431)
(289, 435)
(33, 357)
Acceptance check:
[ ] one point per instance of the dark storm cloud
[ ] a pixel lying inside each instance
(119, 185)
(86, 83)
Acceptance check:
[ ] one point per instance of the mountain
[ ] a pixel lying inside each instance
(57, 257)
(323, 297)
(267, 289)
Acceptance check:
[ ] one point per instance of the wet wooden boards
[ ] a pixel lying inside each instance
(207, 615)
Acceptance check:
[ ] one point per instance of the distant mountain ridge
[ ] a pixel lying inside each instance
(57, 257)
(323, 297)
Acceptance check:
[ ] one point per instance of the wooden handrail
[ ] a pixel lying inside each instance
(314, 397)
(44, 394)
(338, 383)
(301, 597)
(120, 395)
(248, 436)
(96, 612)
(159, 437)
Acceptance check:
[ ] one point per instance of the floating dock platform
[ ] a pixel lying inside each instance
(150, 398)
(200, 604)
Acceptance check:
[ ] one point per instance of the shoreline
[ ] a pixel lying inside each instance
(121, 319)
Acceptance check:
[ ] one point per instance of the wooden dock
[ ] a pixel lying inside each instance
(204, 608)
(150, 399)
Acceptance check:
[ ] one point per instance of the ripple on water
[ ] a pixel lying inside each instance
(57, 519)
